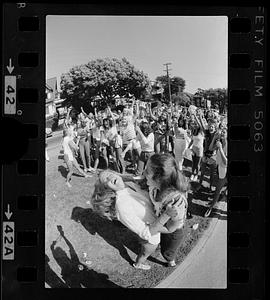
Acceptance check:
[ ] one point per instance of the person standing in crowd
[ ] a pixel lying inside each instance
(128, 134)
(180, 141)
(69, 159)
(161, 128)
(166, 181)
(196, 145)
(209, 157)
(97, 130)
(219, 143)
(146, 139)
(83, 143)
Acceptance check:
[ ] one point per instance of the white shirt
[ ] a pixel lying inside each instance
(135, 211)
(96, 133)
(66, 147)
(198, 140)
(147, 142)
(222, 168)
(180, 133)
(110, 133)
(128, 133)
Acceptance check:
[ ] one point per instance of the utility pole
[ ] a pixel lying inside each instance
(169, 83)
(170, 97)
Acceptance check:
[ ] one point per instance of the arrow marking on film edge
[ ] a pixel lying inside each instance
(10, 67)
(8, 213)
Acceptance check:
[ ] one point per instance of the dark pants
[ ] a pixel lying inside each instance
(212, 168)
(160, 143)
(85, 153)
(120, 163)
(170, 243)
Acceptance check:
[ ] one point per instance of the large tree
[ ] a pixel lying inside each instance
(177, 85)
(182, 98)
(103, 79)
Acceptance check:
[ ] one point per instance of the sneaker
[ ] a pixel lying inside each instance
(208, 212)
(195, 178)
(138, 177)
(192, 177)
(206, 184)
(189, 215)
(213, 188)
(92, 170)
(171, 263)
(141, 266)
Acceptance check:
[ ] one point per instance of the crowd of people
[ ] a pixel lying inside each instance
(150, 144)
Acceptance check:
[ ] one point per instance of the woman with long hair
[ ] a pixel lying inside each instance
(180, 141)
(84, 147)
(197, 146)
(68, 144)
(146, 138)
(166, 181)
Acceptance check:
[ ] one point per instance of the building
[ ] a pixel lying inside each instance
(52, 94)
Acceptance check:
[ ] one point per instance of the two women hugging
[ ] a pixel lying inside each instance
(157, 216)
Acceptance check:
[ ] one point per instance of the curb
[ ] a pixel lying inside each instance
(165, 283)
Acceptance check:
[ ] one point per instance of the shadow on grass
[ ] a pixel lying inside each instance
(72, 276)
(51, 277)
(64, 172)
(113, 232)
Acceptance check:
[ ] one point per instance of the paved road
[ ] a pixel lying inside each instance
(206, 265)
(55, 140)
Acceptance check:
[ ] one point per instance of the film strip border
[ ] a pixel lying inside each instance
(23, 167)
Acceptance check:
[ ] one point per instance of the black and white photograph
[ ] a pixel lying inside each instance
(136, 151)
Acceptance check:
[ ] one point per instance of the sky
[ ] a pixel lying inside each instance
(196, 47)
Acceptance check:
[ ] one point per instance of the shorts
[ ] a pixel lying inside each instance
(209, 160)
(198, 151)
(97, 151)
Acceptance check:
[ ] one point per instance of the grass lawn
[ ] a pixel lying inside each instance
(95, 252)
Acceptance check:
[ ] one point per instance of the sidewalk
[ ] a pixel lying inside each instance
(206, 264)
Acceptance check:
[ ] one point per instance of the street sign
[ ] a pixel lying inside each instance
(10, 95)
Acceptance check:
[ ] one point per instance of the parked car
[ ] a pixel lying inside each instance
(52, 121)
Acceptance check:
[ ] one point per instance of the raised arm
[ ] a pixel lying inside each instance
(151, 114)
(83, 112)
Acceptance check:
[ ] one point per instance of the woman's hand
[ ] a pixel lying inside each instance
(218, 144)
(172, 210)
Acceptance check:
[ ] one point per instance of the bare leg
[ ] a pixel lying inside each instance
(69, 174)
(81, 171)
(146, 250)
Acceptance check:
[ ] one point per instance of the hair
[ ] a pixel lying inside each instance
(103, 201)
(182, 119)
(145, 128)
(196, 130)
(169, 196)
(167, 173)
(109, 121)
